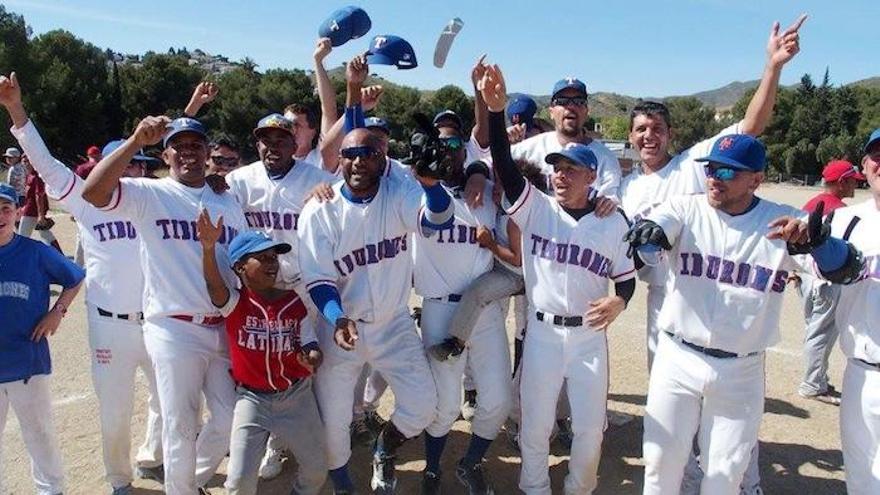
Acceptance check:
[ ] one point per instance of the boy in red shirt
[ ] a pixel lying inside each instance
(274, 350)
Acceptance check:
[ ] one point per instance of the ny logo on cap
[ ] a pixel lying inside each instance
(380, 40)
(725, 144)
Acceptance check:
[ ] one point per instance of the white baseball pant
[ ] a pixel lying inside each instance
(487, 351)
(578, 357)
(690, 391)
(118, 350)
(860, 428)
(190, 360)
(656, 294)
(32, 404)
(394, 349)
(26, 228)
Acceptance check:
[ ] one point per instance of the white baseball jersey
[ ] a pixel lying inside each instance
(858, 311)
(683, 175)
(274, 206)
(725, 278)
(474, 152)
(113, 281)
(568, 263)
(312, 158)
(447, 261)
(502, 239)
(536, 148)
(363, 249)
(164, 212)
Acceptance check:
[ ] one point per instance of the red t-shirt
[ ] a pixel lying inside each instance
(85, 168)
(832, 203)
(264, 339)
(35, 199)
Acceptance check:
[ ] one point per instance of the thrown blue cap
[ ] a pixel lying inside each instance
(523, 106)
(8, 193)
(252, 241)
(387, 49)
(569, 83)
(448, 115)
(579, 154)
(378, 123)
(184, 124)
(739, 151)
(875, 137)
(116, 143)
(345, 24)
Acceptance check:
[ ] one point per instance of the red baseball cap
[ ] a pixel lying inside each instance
(841, 169)
(93, 150)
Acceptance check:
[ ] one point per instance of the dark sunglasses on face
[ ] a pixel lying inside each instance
(725, 174)
(564, 101)
(358, 151)
(453, 143)
(228, 161)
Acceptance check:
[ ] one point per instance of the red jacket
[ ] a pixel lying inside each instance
(264, 340)
(35, 200)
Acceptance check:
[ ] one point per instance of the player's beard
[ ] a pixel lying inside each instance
(361, 181)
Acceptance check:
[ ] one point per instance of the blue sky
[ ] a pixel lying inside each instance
(640, 48)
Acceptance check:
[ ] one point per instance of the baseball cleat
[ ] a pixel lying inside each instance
(361, 434)
(474, 479)
(374, 422)
(469, 406)
(156, 473)
(430, 483)
(511, 430)
(272, 463)
(122, 490)
(829, 396)
(564, 434)
(384, 480)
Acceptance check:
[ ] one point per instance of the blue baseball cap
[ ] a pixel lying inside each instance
(739, 151)
(345, 24)
(524, 106)
(377, 123)
(448, 115)
(274, 121)
(570, 83)
(8, 193)
(252, 241)
(579, 154)
(184, 124)
(116, 143)
(387, 49)
(875, 137)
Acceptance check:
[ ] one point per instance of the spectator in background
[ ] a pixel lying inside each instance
(306, 133)
(224, 157)
(17, 173)
(85, 168)
(35, 208)
(820, 296)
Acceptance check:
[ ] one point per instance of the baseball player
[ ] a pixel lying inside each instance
(569, 255)
(273, 351)
(27, 268)
(113, 301)
(819, 296)
(569, 110)
(446, 263)
(857, 316)
(182, 328)
(729, 254)
(355, 259)
(36, 207)
(16, 174)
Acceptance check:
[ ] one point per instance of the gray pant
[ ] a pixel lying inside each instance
(293, 417)
(489, 287)
(820, 302)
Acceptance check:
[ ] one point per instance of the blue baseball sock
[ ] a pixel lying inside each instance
(476, 451)
(433, 451)
(341, 479)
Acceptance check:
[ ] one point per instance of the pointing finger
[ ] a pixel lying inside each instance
(797, 24)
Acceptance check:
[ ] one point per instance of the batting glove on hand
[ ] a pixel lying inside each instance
(646, 232)
(818, 231)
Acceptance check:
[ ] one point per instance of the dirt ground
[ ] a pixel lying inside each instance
(799, 450)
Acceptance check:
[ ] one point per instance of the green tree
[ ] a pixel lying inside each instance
(615, 127)
(451, 97)
(15, 56)
(161, 85)
(691, 120)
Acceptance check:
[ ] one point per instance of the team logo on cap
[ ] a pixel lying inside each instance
(334, 26)
(570, 80)
(380, 40)
(276, 121)
(725, 144)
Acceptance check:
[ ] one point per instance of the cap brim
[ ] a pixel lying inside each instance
(726, 161)
(9, 199)
(177, 132)
(380, 58)
(870, 143)
(554, 158)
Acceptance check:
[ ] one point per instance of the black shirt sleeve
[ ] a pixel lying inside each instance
(511, 178)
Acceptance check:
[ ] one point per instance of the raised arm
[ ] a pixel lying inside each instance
(355, 74)
(494, 92)
(481, 112)
(105, 176)
(326, 93)
(204, 93)
(781, 47)
(209, 234)
(10, 98)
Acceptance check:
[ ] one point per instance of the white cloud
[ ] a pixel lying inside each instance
(91, 15)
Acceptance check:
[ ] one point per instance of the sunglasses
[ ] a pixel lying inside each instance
(453, 143)
(224, 160)
(724, 174)
(564, 101)
(359, 151)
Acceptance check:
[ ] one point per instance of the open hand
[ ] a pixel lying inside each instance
(782, 47)
(604, 311)
(370, 97)
(356, 71)
(10, 91)
(493, 89)
(209, 233)
(47, 326)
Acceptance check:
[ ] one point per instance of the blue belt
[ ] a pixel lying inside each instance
(716, 353)
(561, 321)
(450, 298)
